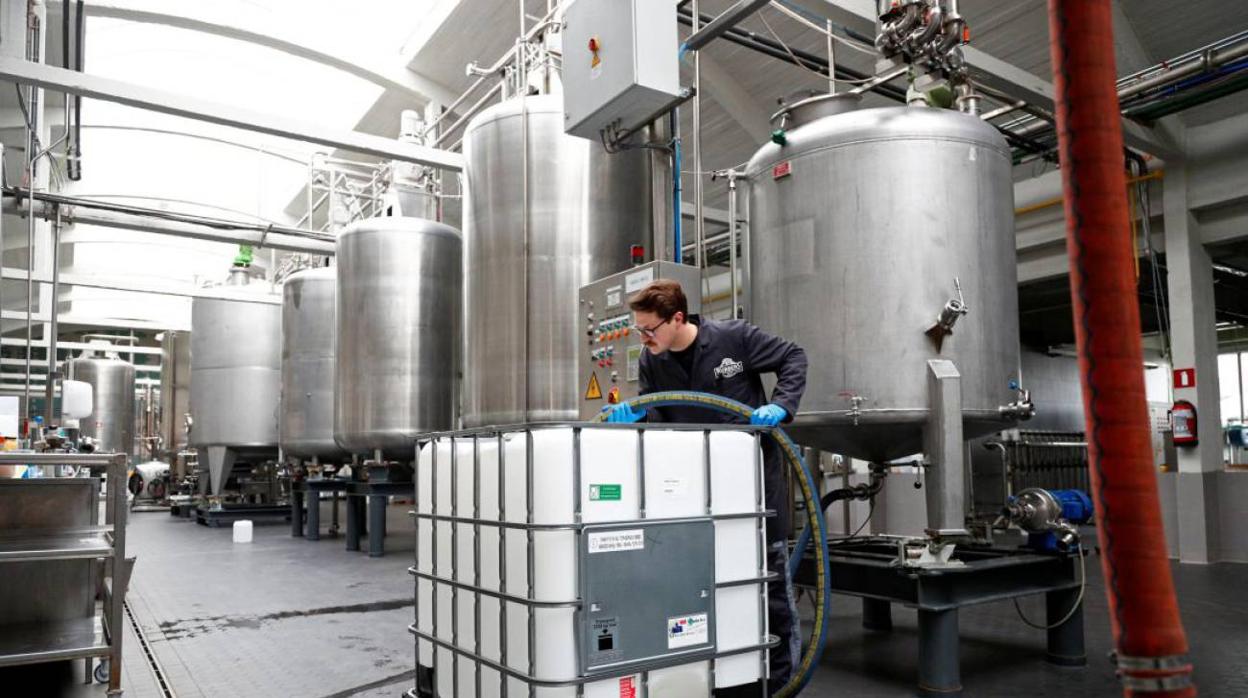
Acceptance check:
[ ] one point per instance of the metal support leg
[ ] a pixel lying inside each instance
(296, 512)
(1065, 642)
(377, 525)
(939, 670)
(314, 515)
(942, 444)
(877, 614)
(333, 521)
(353, 521)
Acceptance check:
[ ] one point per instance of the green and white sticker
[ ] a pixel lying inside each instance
(604, 493)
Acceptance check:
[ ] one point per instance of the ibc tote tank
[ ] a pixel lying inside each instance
(398, 333)
(544, 214)
(859, 224)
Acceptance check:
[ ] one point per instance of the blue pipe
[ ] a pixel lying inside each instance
(678, 243)
(1202, 79)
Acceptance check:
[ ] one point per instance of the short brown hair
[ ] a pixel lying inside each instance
(663, 297)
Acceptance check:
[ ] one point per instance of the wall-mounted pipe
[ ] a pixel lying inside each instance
(53, 312)
(678, 252)
(127, 217)
(1057, 200)
(1212, 60)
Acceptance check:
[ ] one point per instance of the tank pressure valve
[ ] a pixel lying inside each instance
(954, 309)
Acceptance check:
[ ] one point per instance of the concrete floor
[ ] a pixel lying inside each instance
(284, 616)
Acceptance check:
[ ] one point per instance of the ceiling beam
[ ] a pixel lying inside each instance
(401, 79)
(140, 285)
(139, 96)
(65, 320)
(740, 105)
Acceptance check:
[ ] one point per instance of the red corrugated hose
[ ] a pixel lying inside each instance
(1151, 647)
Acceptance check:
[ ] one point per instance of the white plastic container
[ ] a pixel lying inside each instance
(475, 551)
(242, 531)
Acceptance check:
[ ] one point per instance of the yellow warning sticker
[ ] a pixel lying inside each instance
(593, 391)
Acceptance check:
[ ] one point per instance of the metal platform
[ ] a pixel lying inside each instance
(229, 513)
(867, 568)
(305, 511)
(367, 501)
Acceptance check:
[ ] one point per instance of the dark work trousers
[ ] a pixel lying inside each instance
(783, 622)
(782, 618)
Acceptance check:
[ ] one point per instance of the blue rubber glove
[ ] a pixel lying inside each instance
(768, 415)
(624, 413)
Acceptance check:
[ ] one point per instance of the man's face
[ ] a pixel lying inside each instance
(657, 334)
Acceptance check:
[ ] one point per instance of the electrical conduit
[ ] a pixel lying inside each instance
(814, 520)
(1150, 643)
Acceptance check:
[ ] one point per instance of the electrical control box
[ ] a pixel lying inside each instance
(620, 63)
(610, 350)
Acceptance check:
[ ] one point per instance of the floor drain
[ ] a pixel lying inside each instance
(165, 688)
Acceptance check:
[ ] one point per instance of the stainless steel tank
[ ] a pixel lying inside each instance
(175, 394)
(399, 289)
(111, 423)
(859, 224)
(544, 214)
(235, 380)
(306, 420)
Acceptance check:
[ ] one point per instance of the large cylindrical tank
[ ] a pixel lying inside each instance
(175, 395)
(236, 369)
(306, 420)
(399, 289)
(544, 214)
(859, 224)
(111, 423)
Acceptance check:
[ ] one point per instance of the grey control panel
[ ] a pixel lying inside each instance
(610, 349)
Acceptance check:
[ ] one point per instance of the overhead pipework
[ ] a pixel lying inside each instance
(925, 36)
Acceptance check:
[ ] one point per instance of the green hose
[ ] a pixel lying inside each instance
(814, 516)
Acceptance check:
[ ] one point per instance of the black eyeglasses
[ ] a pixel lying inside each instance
(649, 331)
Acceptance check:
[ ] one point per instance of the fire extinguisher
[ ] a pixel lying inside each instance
(1183, 421)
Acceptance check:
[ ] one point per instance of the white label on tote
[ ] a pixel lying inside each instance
(617, 541)
(638, 279)
(687, 631)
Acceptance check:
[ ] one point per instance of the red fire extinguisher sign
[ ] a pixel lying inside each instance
(1183, 421)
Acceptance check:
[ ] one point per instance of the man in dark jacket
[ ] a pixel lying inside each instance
(727, 358)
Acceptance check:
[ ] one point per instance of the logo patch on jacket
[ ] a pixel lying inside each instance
(729, 368)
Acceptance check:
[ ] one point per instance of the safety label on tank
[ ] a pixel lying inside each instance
(628, 687)
(687, 631)
(605, 492)
(617, 541)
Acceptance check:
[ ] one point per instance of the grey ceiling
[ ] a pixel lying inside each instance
(1015, 31)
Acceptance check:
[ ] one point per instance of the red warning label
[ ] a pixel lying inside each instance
(628, 687)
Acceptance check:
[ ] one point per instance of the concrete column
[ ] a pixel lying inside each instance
(1195, 345)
